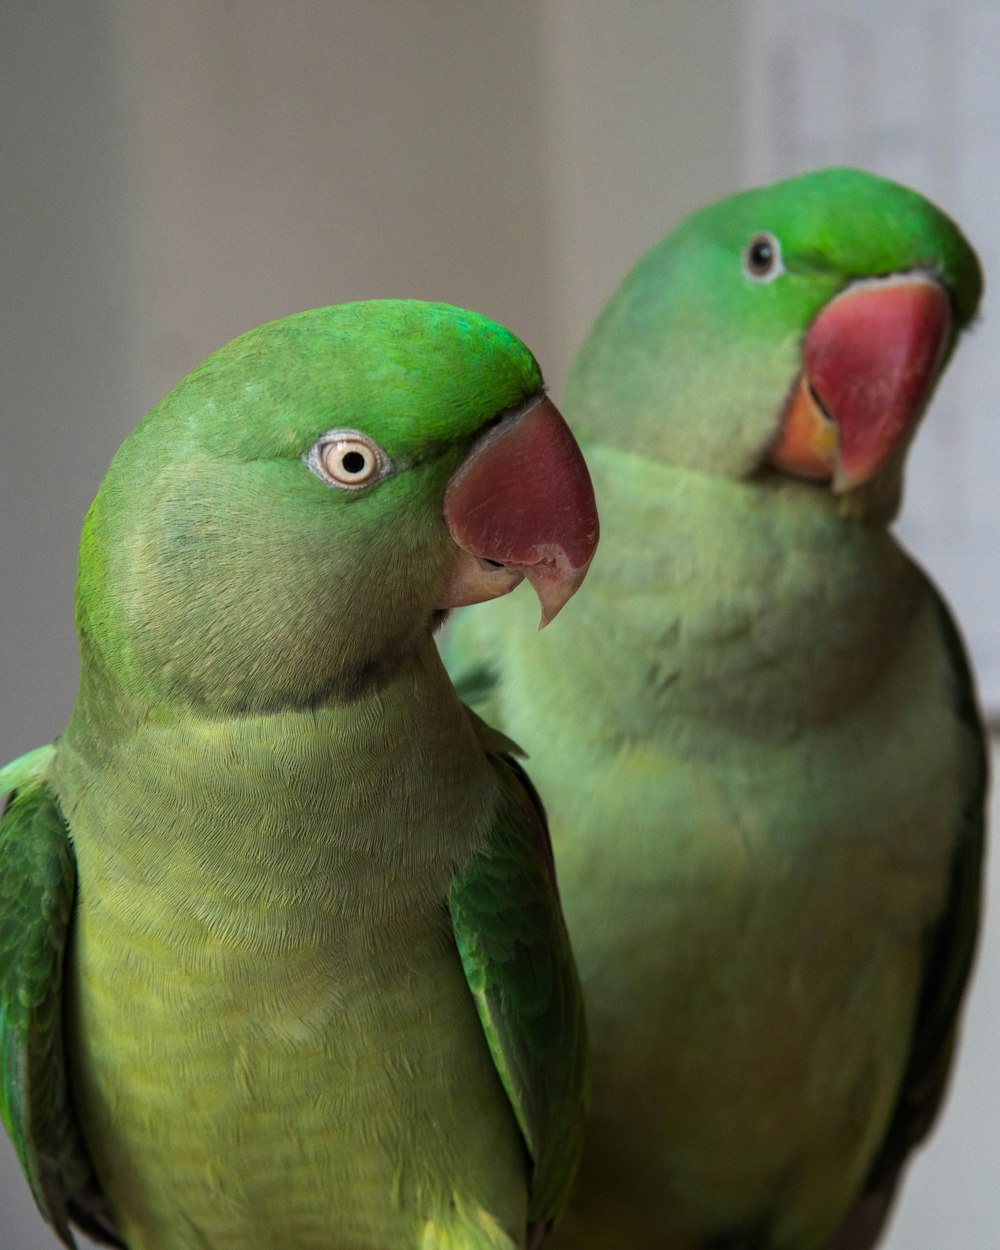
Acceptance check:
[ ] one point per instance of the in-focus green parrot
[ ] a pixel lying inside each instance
(281, 957)
(756, 736)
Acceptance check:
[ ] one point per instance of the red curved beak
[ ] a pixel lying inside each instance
(521, 504)
(870, 361)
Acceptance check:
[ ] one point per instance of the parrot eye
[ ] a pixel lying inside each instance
(762, 258)
(348, 459)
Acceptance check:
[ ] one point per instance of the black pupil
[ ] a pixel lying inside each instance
(353, 462)
(761, 255)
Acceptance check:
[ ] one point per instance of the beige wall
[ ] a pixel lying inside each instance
(294, 155)
(643, 107)
(67, 390)
(515, 157)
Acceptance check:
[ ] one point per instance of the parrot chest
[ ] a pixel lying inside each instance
(754, 805)
(275, 1040)
(284, 1092)
(751, 939)
(751, 986)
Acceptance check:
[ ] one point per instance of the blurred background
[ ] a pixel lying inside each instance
(177, 173)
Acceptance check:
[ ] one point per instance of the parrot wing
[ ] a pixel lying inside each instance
(37, 888)
(951, 946)
(511, 936)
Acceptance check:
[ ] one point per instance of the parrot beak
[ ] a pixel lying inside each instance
(521, 504)
(870, 361)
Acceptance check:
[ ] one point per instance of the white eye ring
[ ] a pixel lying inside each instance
(348, 459)
(762, 257)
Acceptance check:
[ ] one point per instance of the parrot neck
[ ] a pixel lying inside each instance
(280, 792)
(755, 604)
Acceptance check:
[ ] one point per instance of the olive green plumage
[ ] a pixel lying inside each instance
(757, 741)
(279, 926)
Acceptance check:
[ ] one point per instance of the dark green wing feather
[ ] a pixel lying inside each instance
(512, 939)
(37, 888)
(951, 948)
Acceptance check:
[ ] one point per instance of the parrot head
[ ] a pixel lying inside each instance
(285, 526)
(799, 329)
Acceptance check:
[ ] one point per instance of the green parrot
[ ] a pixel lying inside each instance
(757, 737)
(282, 961)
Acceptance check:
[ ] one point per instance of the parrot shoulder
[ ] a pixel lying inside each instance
(37, 889)
(32, 766)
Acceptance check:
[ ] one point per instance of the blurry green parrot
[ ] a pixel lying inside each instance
(757, 736)
(281, 956)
